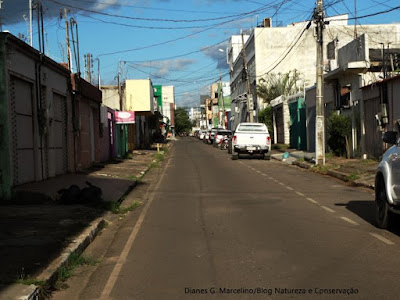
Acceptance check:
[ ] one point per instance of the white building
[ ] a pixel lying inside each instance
(283, 49)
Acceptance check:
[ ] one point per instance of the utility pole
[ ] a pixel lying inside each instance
(67, 39)
(319, 119)
(1, 24)
(89, 65)
(119, 86)
(39, 10)
(355, 19)
(30, 23)
(221, 96)
(98, 73)
(250, 103)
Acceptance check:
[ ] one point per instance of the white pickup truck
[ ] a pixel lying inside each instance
(251, 138)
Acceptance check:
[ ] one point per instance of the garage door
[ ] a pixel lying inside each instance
(22, 131)
(58, 145)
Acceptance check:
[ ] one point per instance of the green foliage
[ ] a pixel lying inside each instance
(182, 122)
(74, 261)
(275, 85)
(265, 116)
(339, 130)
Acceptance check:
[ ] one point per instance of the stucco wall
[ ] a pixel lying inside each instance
(111, 97)
(139, 95)
(21, 121)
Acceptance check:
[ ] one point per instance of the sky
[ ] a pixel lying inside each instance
(173, 42)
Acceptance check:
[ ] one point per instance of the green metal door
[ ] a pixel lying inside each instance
(122, 140)
(298, 135)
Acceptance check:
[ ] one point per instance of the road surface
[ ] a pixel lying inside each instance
(213, 228)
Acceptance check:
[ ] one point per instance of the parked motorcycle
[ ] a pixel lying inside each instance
(224, 143)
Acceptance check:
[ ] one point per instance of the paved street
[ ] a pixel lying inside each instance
(245, 229)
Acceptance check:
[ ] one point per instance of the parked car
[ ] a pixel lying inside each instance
(387, 183)
(220, 136)
(207, 136)
(202, 134)
(251, 138)
(212, 135)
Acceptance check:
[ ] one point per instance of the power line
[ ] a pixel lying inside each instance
(161, 20)
(155, 8)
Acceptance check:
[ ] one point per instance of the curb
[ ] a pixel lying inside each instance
(332, 173)
(77, 245)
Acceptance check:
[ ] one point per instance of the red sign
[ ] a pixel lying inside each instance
(124, 117)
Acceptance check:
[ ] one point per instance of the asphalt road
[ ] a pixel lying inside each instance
(213, 228)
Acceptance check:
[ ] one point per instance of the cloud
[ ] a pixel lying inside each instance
(218, 54)
(164, 67)
(13, 10)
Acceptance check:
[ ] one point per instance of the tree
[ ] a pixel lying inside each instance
(182, 122)
(339, 130)
(265, 116)
(275, 85)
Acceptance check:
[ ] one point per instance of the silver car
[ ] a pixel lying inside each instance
(387, 183)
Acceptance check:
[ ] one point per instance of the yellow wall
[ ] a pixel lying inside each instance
(139, 95)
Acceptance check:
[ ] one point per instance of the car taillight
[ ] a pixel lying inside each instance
(268, 139)
(234, 139)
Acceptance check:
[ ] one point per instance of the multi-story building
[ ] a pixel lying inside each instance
(280, 50)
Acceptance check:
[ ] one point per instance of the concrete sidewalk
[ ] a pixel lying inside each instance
(357, 171)
(38, 235)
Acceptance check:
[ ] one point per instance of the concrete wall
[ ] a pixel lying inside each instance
(27, 156)
(139, 95)
(235, 47)
(111, 96)
(168, 97)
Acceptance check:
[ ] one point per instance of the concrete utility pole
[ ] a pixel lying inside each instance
(319, 106)
(98, 73)
(67, 39)
(250, 103)
(119, 86)
(30, 23)
(88, 64)
(1, 24)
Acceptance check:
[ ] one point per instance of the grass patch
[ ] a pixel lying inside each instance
(282, 147)
(44, 289)
(29, 281)
(301, 159)
(133, 206)
(75, 260)
(137, 178)
(330, 155)
(353, 176)
(322, 169)
(159, 156)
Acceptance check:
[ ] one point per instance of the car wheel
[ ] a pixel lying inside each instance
(235, 156)
(383, 216)
(267, 157)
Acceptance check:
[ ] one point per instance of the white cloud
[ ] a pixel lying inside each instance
(164, 67)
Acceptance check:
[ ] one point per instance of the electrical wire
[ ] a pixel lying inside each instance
(154, 8)
(163, 20)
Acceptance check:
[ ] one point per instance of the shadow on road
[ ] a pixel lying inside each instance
(366, 210)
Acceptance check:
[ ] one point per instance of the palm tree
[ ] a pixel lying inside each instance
(275, 85)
